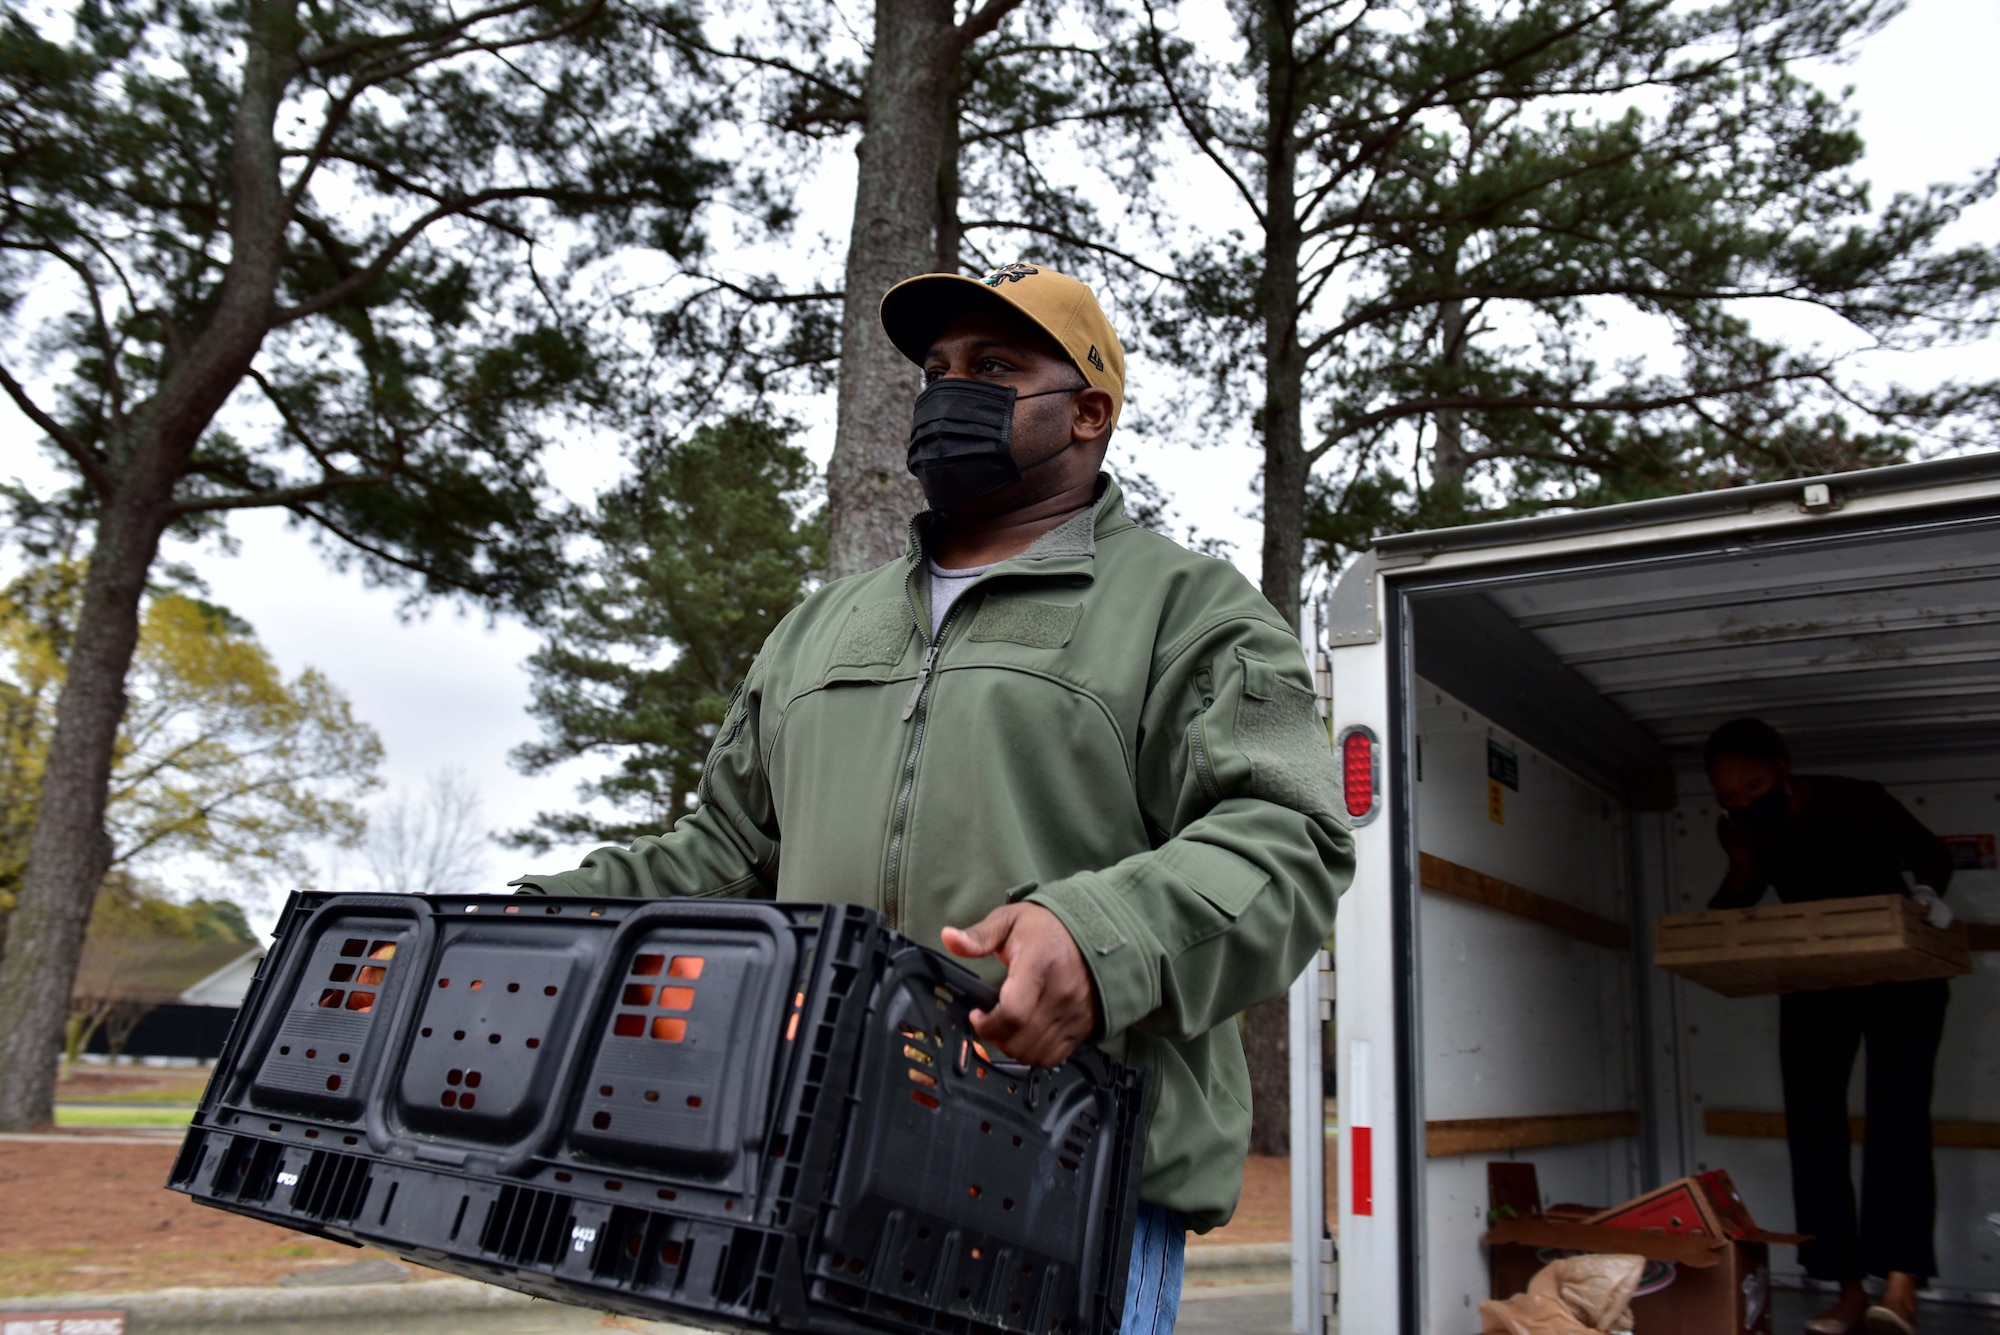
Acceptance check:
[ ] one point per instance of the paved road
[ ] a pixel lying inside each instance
(1240, 1309)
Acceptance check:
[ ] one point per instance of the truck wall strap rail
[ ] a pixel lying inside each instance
(1487, 1135)
(1476, 887)
(1946, 1134)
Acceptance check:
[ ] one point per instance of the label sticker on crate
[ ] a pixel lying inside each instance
(1503, 766)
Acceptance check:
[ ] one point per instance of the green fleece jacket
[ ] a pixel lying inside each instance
(1107, 725)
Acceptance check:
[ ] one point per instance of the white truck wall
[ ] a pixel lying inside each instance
(1518, 1019)
(1729, 1048)
(1370, 1284)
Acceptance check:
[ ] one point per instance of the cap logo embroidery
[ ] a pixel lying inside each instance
(1012, 273)
(1096, 360)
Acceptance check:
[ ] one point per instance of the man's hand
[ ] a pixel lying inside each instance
(1047, 1004)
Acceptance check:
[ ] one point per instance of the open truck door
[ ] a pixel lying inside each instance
(1535, 694)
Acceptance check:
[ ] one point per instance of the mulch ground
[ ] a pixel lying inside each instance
(84, 1216)
(88, 1217)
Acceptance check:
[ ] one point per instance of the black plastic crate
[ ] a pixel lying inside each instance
(743, 1115)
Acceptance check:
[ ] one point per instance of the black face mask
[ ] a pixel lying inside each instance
(962, 440)
(1766, 812)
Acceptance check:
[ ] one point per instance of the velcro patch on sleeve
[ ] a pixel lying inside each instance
(874, 634)
(1291, 758)
(1024, 621)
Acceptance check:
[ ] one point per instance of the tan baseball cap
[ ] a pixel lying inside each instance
(916, 310)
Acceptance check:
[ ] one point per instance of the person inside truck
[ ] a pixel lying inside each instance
(1046, 737)
(1819, 836)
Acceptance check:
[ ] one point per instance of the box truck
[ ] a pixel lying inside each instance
(1519, 709)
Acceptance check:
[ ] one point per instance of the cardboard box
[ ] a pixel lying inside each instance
(1809, 947)
(1708, 1268)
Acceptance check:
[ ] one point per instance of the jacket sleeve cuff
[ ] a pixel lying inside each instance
(1116, 947)
(550, 883)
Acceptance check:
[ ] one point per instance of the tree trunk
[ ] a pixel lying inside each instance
(1448, 461)
(70, 852)
(1285, 469)
(870, 493)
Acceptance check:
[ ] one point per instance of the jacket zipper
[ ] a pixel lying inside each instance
(1198, 747)
(915, 707)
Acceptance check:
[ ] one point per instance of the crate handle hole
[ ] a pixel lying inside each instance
(361, 1001)
(372, 975)
(647, 966)
(638, 994)
(628, 1025)
(676, 998)
(354, 947)
(668, 1029)
(382, 950)
(330, 998)
(687, 966)
(342, 973)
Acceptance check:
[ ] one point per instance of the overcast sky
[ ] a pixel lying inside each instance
(448, 691)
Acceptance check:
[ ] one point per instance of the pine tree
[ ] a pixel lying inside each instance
(352, 225)
(698, 554)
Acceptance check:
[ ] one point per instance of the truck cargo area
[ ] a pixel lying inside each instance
(1541, 692)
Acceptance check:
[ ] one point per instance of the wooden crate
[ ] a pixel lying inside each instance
(1809, 947)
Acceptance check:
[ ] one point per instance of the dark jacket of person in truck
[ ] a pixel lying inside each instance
(1819, 836)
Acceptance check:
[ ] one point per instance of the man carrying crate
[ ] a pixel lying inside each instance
(1059, 744)
(1825, 837)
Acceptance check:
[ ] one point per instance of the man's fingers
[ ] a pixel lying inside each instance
(984, 937)
(1005, 1022)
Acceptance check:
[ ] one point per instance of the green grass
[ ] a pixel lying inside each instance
(68, 1114)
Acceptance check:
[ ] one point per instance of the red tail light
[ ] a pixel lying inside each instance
(1358, 772)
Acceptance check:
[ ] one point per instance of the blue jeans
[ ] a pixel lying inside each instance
(1153, 1287)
